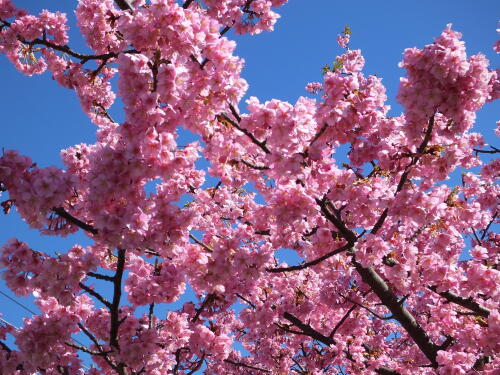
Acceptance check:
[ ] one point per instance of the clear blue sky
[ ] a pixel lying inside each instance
(39, 118)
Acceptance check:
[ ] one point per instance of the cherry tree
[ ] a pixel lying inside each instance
(381, 288)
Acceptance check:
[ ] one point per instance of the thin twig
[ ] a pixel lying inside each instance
(241, 364)
(246, 300)
(262, 145)
(311, 263)
(206, 247)
(344, 318)
(95, 294)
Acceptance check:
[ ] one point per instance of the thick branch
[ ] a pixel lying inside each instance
(399, 312)
(468, 303)
(117, 293)
(187, 4)
(386, 371)
(348, 234)
(124, 5)
(208, 299)
(308, 330)
(73, 220)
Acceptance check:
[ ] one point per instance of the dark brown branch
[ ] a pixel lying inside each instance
(341, 321)
(5, 347)
(94, 294)
(225, 29)
(198, 365)
(100, 277)
(151, 315)
(187, 3)
(468, 303)
(73, 220)
(124, 5)
(481, 362)
(265, 232)
(208, 299)
(488, 226)
(386, 371)
(493, 150)
(96, 343)
(246, 300)
(206, 247)
(86, 350)
(234, 112)
(348, 234)
(319, 134)
(311, 263)
(404, 176)
(253, 166)
(82, 56)
(308, 330)
(399, 312)
(117, 293)
(369, 310)
(262, 145)
(241, 364)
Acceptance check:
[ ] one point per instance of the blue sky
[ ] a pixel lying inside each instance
(40, 118)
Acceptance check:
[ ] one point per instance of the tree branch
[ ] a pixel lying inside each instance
(311, 263)
(348, 234)
(386, 371)
(404, 176)
(399, 311)
(95, 294)
(96, 343)
(208, 299)
(85, 349)
(225, 119)
(124, 5)
(187, 3)
(206, 247)
(241, 364)
(246, 300)
(73, 220)
(100, 277)
(115, 306)
(493, 150)
(344, 318)
(253, 166)
(468, 303)
(308, 330)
